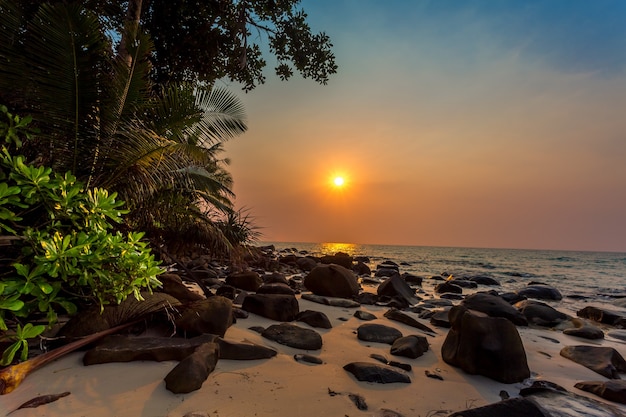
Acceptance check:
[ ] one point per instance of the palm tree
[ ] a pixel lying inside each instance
(100, 117)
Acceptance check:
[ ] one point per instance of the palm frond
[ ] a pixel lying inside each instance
(224, 116)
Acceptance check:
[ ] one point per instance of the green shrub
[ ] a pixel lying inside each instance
(68, 250)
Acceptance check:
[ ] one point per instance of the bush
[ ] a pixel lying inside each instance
(67, 248)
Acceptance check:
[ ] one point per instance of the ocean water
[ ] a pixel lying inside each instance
(582, 277)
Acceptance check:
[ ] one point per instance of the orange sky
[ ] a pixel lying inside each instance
(490, 135)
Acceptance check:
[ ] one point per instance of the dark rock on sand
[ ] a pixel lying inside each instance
(293, 336)
(364, 315)
(119, 348)
(314, 319)
(399, 316)
(306, 263)
(342, 259)
(541, 292)
(448, 287)
(361, 269)
(602, 359)
(227, 291)
(385, 272)
(463, 283)
(275, 288)
(277, 307)
(488, 346)
(494, 306)
(191, 372)
(395, 286)
(213, 315)
(618, 334)
(614, 390)
(513, 407)
(371, 372)
(441, 319)
(331, 301)
(512, 297)
(173, 285)
(409, 346)
(584, 330)
(367, 298)
(540, 314)
(601, 315)
(332, 281)
(305, 358)
(412, 279)
(372, 332)
(248, 281)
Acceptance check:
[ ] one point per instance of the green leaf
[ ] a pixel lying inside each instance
(13, 305)
(29, 331)
(9, 353)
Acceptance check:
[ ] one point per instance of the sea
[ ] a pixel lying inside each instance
(598, 278)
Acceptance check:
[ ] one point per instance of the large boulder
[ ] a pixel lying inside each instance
(602, 315)
(411, 346)
(191, 372)
(488, 346)
(314, 319)
(173, 285)
(248, 280)
(279, 307)
(332, 281)
(213, 315)
(293, 336)
(373, 332)
(448, 287)
(339, 258)
(494, 306)
(371, 372)
(614, 390)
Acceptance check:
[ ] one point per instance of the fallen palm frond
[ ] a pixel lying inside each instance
(12, 376)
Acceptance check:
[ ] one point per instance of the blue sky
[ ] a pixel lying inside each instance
(458, 123)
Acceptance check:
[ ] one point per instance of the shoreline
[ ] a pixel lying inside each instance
(283, 386)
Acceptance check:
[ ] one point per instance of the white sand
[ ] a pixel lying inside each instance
(280, 386)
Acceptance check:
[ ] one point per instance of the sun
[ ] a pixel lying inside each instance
(339, 181)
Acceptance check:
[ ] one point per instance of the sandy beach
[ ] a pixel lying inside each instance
(281, 386)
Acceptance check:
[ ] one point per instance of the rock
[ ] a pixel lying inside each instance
(602, 359)
(332, 281)
(618, 334)
(372, 332)
(173, 285)
(314, 319)
(191, 372)
(412, 279)
(244, 351)
(306, 263)
(331, 301)
(364, 315)
(381, 374)
(343, 260)
(367, 298)
(409, 346)
(614, 390)
(540, 314)
(488, 346)
(277, 307)
(385, 272)
(512, 297)
(119, 348)
(395, 286)
(275, 288)
(303, 357)
(494, 306)
(275, 278)
(361, 269)
(584, 330)
(601, 315)
(440, 319)
(463, 283)
(396, 315)
(248, 281)
(293, 336)
(227, 291)
(213, 315)
(541, 292)
(513, 407)
(447, 287)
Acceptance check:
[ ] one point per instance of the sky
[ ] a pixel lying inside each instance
(493, 124)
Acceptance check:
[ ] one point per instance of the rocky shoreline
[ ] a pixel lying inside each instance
(388, 342)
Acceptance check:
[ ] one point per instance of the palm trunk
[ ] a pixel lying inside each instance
(133, 17)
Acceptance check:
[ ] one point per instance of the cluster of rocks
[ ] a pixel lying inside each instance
(482, 336)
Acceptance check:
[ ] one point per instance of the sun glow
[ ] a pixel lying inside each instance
(339, 181)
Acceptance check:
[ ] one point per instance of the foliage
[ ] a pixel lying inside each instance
(213, 39)
(22, 334)
(66, 246)
(158, 147)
